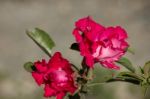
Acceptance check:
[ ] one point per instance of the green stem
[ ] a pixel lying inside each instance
(75, 67)
(90, 74)
(94, 84)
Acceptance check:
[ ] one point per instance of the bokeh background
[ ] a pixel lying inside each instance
(57, 17)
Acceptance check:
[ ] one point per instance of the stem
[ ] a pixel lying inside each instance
(75, 67)
(90, 74)
(94, 84)
(50, 55)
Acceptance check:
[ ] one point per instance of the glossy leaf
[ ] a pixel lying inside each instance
(42, 39)
(29, 66)
(146, 69)
(75, 46)
(126, 63)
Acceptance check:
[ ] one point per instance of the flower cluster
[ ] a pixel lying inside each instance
(56, 75)
(96, 43)
(100, 44)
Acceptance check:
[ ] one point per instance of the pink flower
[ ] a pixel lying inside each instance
(100, 44)
(56, 75)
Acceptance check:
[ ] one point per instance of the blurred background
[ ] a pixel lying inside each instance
(57, 17)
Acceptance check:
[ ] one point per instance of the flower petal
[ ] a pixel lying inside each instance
(108, 52)
(49, 91)
(41, 66)
(60, 95)
(38, 78)
(77, 35)
(89, 61)
(110, 65)
(122, 34)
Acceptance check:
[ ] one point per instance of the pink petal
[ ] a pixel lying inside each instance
(41, 66)
(77, 35)
(87, 24)
(121, 32)
(116, 43)
(49, 91)
(108, 52)
(83, 23)
(54, 59)
(124, 45)
(59, 76)
(72, 89)
(57, 61)
(109, 65)
(107, 34)
(96, 50)
(38, 78)
(60, 95)
(84, 48)
(89, 61)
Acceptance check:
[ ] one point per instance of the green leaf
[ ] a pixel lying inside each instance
(42, 39)
(130, 50)
(127, 77)
(75, 46)
(130, 74)
(126, 63)
(146, 69)
(124, 79)
(29, 66)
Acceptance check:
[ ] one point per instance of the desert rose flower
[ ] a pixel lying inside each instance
(56, 75)
(100, 44)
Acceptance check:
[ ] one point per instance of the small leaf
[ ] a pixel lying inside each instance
(126, 63)
(42, 39)
(130, 50)
(130, 74)
(75, 46)
(127, 77)
(146, 69)
(29, 66)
